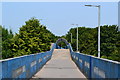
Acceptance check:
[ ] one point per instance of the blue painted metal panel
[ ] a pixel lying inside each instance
(106, 69)
(39, 63)
(5, 68)
(23, 75)
(83, 63)
(94, 67)
(80, 64)
(27, 66)
(0, 70)
(118, 70)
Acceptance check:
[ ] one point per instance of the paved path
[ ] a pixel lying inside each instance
(60, 66)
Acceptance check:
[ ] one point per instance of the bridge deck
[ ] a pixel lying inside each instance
(60, 66)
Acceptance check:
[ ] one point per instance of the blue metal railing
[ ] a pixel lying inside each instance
(24, 66)
(27, 66)
(93, 67)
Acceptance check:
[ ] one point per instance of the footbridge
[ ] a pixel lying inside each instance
(59, 63)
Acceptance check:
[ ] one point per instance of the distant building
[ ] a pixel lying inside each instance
(119, 16)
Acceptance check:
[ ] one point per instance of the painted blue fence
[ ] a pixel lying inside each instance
(70, 47)
(27, 66)
(94, 67)
(24, 66)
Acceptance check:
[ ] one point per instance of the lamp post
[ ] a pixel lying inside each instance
(71, 37)
(98, 6)
(77, 37)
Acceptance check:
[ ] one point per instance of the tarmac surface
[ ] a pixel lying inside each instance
(60, 66)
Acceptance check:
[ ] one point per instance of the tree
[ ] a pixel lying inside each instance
(32, 38)
(88, 41)
(7, 35)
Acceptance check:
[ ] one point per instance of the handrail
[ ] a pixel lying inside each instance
(94, 67)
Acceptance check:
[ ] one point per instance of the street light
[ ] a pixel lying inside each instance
(77, 36)
(71, 37)
(98, 6)
(93, 5)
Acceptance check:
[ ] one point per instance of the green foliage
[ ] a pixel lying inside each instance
(62, 44)
(32, 38)
(88, 41)
(7, 35)
(0, 42)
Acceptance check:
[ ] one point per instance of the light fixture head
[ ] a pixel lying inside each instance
(93, 5)
(88, 5)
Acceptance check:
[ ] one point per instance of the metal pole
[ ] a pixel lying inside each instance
(99, 31)
(71, 37)
(98, 26)
(77, 38)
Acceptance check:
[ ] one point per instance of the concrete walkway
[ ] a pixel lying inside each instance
(60, 66)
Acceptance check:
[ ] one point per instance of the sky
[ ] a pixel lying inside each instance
(119, 16)
(60, 0)
(58, 16)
